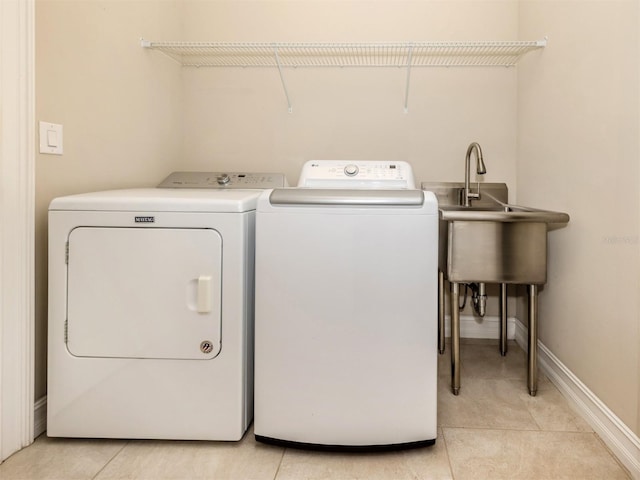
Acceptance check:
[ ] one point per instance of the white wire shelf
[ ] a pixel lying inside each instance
(293, 55)
(410, 54)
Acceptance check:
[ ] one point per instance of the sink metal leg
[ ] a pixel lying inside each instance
(440, 311)
(503, 319)
(455, 338)
(532, 373)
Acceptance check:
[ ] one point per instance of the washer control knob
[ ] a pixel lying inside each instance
(351, 170)
(224, 179)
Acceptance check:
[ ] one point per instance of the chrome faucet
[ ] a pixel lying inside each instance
(467, 195)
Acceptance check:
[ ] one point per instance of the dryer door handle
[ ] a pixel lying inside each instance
(204, 294)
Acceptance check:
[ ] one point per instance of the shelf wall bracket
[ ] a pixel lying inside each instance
(406, 92)
(284, 84)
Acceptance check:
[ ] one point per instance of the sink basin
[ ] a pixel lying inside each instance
(492, 241)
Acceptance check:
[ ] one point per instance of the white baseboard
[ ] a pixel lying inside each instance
(40, 417)
(624, 444)
(485, 327)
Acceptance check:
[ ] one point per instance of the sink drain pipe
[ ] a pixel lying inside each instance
(478, 297)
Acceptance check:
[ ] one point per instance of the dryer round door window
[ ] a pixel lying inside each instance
(144, 292)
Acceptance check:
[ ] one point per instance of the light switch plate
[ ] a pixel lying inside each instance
(50, 138)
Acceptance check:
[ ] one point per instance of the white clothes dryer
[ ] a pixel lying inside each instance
(151, 309)
(346, 309)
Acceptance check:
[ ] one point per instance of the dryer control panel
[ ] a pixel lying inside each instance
(224, 180)
(369, 174)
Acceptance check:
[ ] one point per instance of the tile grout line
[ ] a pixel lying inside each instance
(110, 460)
(528, 430)
(446, 450)
(284, 450)
(590, 434)
(535, 422)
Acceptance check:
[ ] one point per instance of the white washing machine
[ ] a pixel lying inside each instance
(151, 309)
(346, 309)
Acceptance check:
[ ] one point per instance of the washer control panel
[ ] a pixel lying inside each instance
(371, 174)
(224, 180)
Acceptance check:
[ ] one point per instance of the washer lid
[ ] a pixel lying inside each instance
(161, 200)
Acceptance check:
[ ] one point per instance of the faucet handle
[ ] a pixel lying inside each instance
(463, 193)
(474, 196)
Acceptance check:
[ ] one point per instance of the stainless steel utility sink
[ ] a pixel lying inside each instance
(490, 241)
(498, 243)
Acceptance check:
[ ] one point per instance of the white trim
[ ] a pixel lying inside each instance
(522, 335)
(624, 444)
(485, 327)
(17, 174)
(40, 417)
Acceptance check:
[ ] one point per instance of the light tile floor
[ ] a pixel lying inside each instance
(492, 430)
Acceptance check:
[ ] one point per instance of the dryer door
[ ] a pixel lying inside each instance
(144, 292)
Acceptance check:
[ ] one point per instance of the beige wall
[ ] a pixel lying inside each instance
(566, 116)
(238, 119)
(121, 110)
(578, 152)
